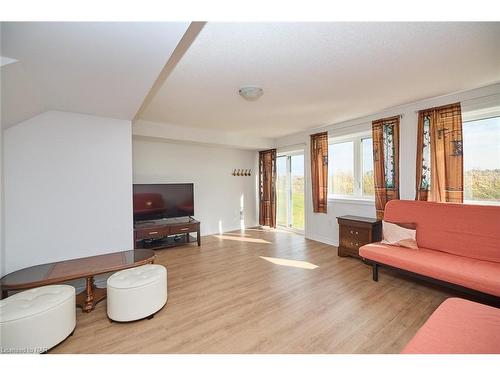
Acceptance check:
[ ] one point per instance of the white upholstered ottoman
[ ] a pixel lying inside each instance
(136, 293)
(38, 319)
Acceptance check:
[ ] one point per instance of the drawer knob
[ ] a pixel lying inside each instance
(153, 232)
(184, 228)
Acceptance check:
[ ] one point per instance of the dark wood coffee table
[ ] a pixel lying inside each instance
(57, 272)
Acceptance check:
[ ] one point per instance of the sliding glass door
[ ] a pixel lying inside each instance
(290, 190)
(282, 188)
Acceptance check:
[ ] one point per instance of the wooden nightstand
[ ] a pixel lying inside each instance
(356, 231)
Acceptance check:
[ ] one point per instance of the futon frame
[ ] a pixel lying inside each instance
(486, 298)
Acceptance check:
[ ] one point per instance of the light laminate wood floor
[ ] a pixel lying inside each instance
(245, 293)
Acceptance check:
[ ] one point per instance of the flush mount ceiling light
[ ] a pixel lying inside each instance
(251, 92)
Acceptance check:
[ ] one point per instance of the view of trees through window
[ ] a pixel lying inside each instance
(351, 168)
(481, 148)
(350, 171)
(281, 191)
(367, 157)
(290, 191)
(341, 168)
(297, 177)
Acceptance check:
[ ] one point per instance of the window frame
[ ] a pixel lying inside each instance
(468, 117)
(358, 196)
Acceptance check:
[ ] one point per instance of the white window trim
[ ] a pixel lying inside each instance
(481, 113)
(358, 197)
(351, 200)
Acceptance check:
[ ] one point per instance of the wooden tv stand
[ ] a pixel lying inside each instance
(159, 234)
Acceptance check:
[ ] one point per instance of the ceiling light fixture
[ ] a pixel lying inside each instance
(251, 92)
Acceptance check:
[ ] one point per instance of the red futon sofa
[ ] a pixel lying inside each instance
(458, 326)
(459, 246)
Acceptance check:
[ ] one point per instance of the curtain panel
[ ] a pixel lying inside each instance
(439, 173)
(267, 188)
(385, 134)
(319, 171)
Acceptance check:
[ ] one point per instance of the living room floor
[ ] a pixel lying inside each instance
(262, 291)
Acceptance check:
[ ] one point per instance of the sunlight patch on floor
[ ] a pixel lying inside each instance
(269, 230)
(238, 234)
(241, 239)
(291, 263)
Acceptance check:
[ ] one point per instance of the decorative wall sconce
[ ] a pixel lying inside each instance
(242, 172)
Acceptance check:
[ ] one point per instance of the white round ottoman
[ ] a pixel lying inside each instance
(136, 293)
(38, 319)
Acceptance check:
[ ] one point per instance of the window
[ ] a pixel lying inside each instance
(290, 190)
(350, 168)
(282, 200)
(341, 163)
(367, 177)
(481, 150)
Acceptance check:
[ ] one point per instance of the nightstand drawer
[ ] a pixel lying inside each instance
(352, 243)
(354, 234)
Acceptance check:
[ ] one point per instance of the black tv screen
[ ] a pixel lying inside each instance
(162, 201)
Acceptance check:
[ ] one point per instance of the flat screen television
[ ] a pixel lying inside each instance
(162, 201)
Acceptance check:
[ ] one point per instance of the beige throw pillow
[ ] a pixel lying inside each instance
(399, 234)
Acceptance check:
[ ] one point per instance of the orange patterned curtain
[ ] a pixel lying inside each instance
(385, 162)
(319, 171)
(267, 184)
(439, 175)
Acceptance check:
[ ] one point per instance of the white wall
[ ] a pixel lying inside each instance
(323, 227)
(217, 193)
(68, 188)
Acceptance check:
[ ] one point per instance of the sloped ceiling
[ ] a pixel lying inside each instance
(316, 74)
(103, 69)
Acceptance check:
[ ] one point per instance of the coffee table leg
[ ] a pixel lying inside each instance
(86, 298)
(89, 291)
(90, 296)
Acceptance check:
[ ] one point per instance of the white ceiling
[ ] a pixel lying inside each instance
(315, 74)
(103, 69)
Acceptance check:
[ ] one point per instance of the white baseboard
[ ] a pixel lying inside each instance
(320, 238)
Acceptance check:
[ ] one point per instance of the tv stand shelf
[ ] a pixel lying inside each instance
(165, 233)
